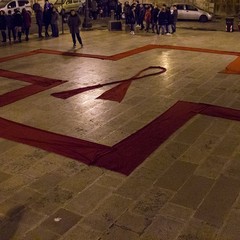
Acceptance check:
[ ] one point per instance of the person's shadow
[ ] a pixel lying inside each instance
(9, 223)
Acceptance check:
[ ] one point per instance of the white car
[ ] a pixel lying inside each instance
(191, 12)
(6, 5)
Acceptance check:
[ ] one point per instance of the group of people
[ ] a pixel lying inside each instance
(12, 26)
(48, 16)
(160, 19)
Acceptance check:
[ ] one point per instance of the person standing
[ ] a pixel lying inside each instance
(54, 23)
(26, 23)
(3, 26)
(174, 13)
(10, 27)
(18, 23)
(132, 19)
(39, 18)
(74, 24)
(148, 18)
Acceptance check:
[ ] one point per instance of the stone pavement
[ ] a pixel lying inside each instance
(188, 189)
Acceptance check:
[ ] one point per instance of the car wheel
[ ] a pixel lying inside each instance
(203, 18)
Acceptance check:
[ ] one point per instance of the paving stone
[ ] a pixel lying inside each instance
(219, 127)
(82, 179)
(26, 196)
(219, 201)
(162, 229)
(180, 213)
(86, 201)
(233, 168)
(227, 146)
(51, 201)
(200, 149)
(10, 186)
(231, 230)
(61, 221)
(198, 230)
(46, 182)
(40, 233)
(139, 184)
(176, 175)
(107, 213)
(111, 181)
(151, 202)
(192, 131)
(193, 192)
(119, 233)
(212, 166)
(135, 223)
(81, 232)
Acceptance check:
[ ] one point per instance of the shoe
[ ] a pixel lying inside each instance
(74, 45)
(168, 34)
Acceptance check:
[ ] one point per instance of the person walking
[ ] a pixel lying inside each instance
(26, 23)
(74, 23)
(3, 26)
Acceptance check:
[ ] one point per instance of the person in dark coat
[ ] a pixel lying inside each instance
(74, 23)
(10, 27)
(141, 16)
(3, 26)
(174, 13)
(54, 22)
(26, 23)
(18, 23)
(119, 11)
(132, 19)
(162, 21)
(39, 18)
(155, 12)
(127, 11)
(47, 14)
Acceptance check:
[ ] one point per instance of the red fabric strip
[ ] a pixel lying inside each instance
(39, 84)
(124, 156)
(120, 90)
(78, 149)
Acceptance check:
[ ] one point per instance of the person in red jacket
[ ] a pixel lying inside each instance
(148, 18)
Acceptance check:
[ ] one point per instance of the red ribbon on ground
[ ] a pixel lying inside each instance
(116, 93)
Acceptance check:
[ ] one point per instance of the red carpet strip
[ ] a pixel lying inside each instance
(124, 156)
(115, 94)
(38, 84)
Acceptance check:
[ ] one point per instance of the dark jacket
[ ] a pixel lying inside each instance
(162, 18)
(17, 19)
(3, 23)
(74, 23)
(9, 21)
(26, 19)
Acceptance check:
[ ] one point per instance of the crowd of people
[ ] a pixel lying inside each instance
(12, 26)
(160, 19)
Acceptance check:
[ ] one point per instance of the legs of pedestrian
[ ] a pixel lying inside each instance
(79, 39)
